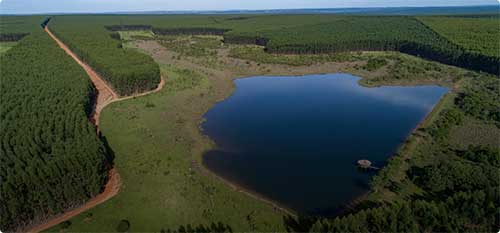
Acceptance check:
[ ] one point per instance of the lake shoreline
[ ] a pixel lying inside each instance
(222, 79)
(355, 200)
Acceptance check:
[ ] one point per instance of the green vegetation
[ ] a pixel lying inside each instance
(5, 46)
(157, 155)
(319, 34)
(127, 71)
(51, 158)
(461, 212)
(476, 34)
(135, 35)
(212, 228)
(435, 182)
(19, 24)
(192, 46)
(257, 54)
(474, 132)
(482, 99)
(402, 69)
(375, 64)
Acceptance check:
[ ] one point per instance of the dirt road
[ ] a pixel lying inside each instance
(105, 95)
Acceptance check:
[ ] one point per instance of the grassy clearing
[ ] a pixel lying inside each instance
(4, 46)
(193, 46)
(198, 49)
(475, 132)
(136, 35)
(401, 69)
(156, 143)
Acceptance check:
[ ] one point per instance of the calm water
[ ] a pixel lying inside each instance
(295, 140)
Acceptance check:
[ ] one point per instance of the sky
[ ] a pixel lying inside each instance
(97, 6)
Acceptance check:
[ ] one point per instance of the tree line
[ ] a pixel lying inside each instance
(7, 37)
(363, 33)
(127, 71)
(50, 156)
(129, 27)
(189, 31)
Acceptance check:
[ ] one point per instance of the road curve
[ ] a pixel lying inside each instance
(105, 95)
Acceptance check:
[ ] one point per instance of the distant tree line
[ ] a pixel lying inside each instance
(8, 37)
(115, 35)
(50, 156)
(240, 39)
(403, 34)
(129, 27)
(189, 31)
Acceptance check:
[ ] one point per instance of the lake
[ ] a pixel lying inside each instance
(296, 140)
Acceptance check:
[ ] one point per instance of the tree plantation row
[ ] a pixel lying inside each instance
(51, 158)
(127, 71)
(440, 39)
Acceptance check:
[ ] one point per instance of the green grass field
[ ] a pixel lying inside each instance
(157, 146)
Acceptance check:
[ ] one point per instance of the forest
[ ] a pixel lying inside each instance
(189, 31)
(12, 36)
(51, 158)
(433, 38)
(127, 71)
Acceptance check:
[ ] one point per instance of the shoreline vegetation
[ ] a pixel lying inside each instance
(172, 59)
(157, 144)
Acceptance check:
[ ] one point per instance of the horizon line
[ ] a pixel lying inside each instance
(243, 10)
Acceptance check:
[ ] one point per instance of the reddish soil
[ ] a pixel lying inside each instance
(104, 96)
(111, 189)
(105, 93)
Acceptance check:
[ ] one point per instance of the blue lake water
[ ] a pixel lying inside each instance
(295, 140)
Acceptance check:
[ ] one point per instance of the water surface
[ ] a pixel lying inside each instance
(295, 140)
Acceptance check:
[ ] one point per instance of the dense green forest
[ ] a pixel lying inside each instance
(14, 28)
(428, 37)
(476, 34)
(127, 71)
(51, 158)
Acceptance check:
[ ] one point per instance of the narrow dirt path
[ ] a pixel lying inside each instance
(105, 95)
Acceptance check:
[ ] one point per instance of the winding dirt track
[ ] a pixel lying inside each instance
(104, 96)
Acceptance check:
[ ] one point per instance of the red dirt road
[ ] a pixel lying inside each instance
(105, 96)
(105, 93)
(111, 189)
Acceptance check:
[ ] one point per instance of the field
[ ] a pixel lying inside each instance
(156, 144)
